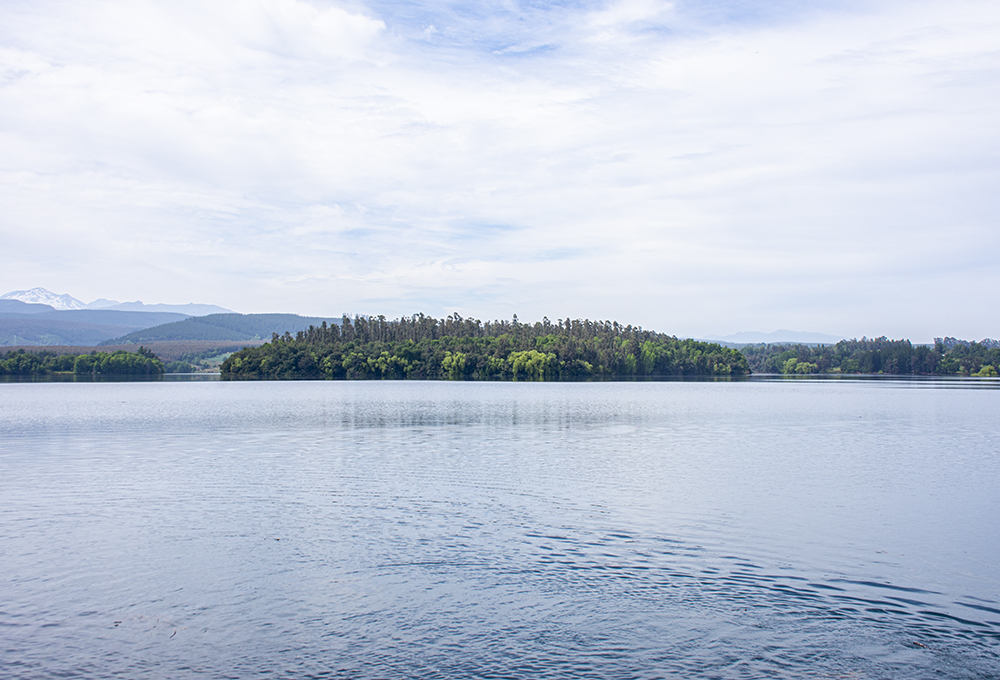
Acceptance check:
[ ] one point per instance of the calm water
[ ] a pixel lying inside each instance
(828, 529)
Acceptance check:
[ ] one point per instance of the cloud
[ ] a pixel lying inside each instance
(675, 165)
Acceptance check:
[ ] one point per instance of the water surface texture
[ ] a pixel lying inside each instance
(789, 529)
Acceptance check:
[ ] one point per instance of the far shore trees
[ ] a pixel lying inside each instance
(947, 356)
(24, 364)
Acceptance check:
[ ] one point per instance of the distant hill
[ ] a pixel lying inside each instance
(10, 306)
(68, 302)
(776, 337)
(189, 309)
(224, 327)
(84, 327)
(28, 330)
(137, 320)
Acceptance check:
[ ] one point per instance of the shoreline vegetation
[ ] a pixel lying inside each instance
(140, 363)
(878, 356)
(424, 348)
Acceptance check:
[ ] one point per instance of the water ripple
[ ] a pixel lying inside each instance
(324, 530)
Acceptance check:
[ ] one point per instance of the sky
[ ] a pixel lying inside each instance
(695, 167)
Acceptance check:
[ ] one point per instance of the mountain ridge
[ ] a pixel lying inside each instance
(44, 297)
(224, 328)
(66, 302)
(73, 326)
(781, 336)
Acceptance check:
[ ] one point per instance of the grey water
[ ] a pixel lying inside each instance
(746, 529)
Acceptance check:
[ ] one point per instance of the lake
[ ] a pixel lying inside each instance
(746, 529)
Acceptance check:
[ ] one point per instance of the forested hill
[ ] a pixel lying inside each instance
(422, 347)
(221, 327)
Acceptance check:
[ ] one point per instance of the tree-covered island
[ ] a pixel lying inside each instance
(455, 348)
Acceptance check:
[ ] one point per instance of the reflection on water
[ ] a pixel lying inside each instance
(833, 529)
(916, 381)
(89, 378)
(191, 377)
(74, 377)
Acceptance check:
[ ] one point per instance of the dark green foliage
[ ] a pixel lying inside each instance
(221, 327)
(121, 363)
(454, 348)
(878, 355)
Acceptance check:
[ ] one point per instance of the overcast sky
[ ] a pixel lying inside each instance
(693, 167)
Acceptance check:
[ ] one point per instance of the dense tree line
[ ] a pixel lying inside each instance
(121, 363)
(422, 347)
(878, 355)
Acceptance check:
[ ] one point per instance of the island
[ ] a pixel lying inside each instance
(455, 348)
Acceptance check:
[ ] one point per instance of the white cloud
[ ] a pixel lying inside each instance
(625, 162)
(624, 14)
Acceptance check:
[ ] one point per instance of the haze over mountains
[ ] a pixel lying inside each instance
(24, 323)
(67, 303)
(223, 328)
(39, 317)
(776, 337)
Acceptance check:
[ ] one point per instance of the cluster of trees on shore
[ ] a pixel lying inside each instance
(878, 355)
(20, 363)
(422, 347)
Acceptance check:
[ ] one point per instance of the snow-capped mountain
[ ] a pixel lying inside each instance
(68, 302)
(44, 297)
